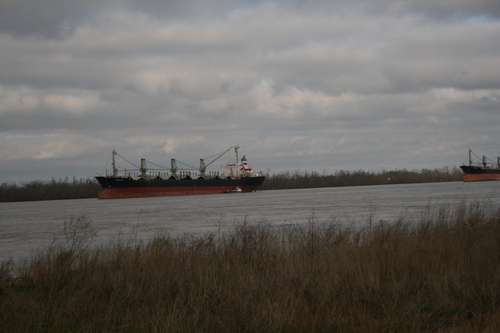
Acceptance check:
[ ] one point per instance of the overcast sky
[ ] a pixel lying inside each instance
(299, 85)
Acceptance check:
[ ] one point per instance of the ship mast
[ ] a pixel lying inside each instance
(143, 168)
(236, 151)
(203, 167)
(173, 167)
(113, 163)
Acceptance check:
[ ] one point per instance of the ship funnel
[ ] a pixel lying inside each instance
(485, 162)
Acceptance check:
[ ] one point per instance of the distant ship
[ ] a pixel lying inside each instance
(235, 177)
(481, 171)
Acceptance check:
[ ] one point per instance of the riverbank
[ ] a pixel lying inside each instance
(436, 273)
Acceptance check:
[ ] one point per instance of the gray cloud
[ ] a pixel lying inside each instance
(299, 85)
(43, 19)
(57, 19)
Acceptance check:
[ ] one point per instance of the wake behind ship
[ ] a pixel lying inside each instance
(481, 171)
(235, 177)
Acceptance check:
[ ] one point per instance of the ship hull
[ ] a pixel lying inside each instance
(478, 174)
(121, 188)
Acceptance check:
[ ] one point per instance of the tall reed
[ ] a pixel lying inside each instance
(435, 272)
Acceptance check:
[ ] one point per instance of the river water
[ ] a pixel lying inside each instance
(26, 227)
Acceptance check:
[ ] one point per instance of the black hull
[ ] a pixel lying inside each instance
(474, 170)
(115, 188)
(477, 174)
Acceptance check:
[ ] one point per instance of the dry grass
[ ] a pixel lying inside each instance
(439, 272)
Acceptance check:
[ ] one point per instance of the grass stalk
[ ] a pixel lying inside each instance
(437, 272)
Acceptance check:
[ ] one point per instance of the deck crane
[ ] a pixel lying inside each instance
(203, 166)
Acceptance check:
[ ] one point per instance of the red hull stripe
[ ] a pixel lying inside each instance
(481, 177)
(142, 192)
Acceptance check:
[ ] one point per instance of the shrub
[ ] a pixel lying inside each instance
(435, 272)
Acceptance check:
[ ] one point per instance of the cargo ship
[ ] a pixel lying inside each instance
(141, 182)
(481, 171)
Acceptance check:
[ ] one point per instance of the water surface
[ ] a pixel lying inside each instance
(28, 226)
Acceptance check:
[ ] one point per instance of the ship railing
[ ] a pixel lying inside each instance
(168, 175)
(485, 162)
(489, 165)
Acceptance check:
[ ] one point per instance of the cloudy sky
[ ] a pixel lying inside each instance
(299, 85)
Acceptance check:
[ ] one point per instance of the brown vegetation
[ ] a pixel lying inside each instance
(437, 272)
(306, 179)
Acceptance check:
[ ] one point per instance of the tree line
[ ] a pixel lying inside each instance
(308, 179)
(50, 190)
(88, 187)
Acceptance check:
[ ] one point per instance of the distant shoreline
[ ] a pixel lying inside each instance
(85, 188)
